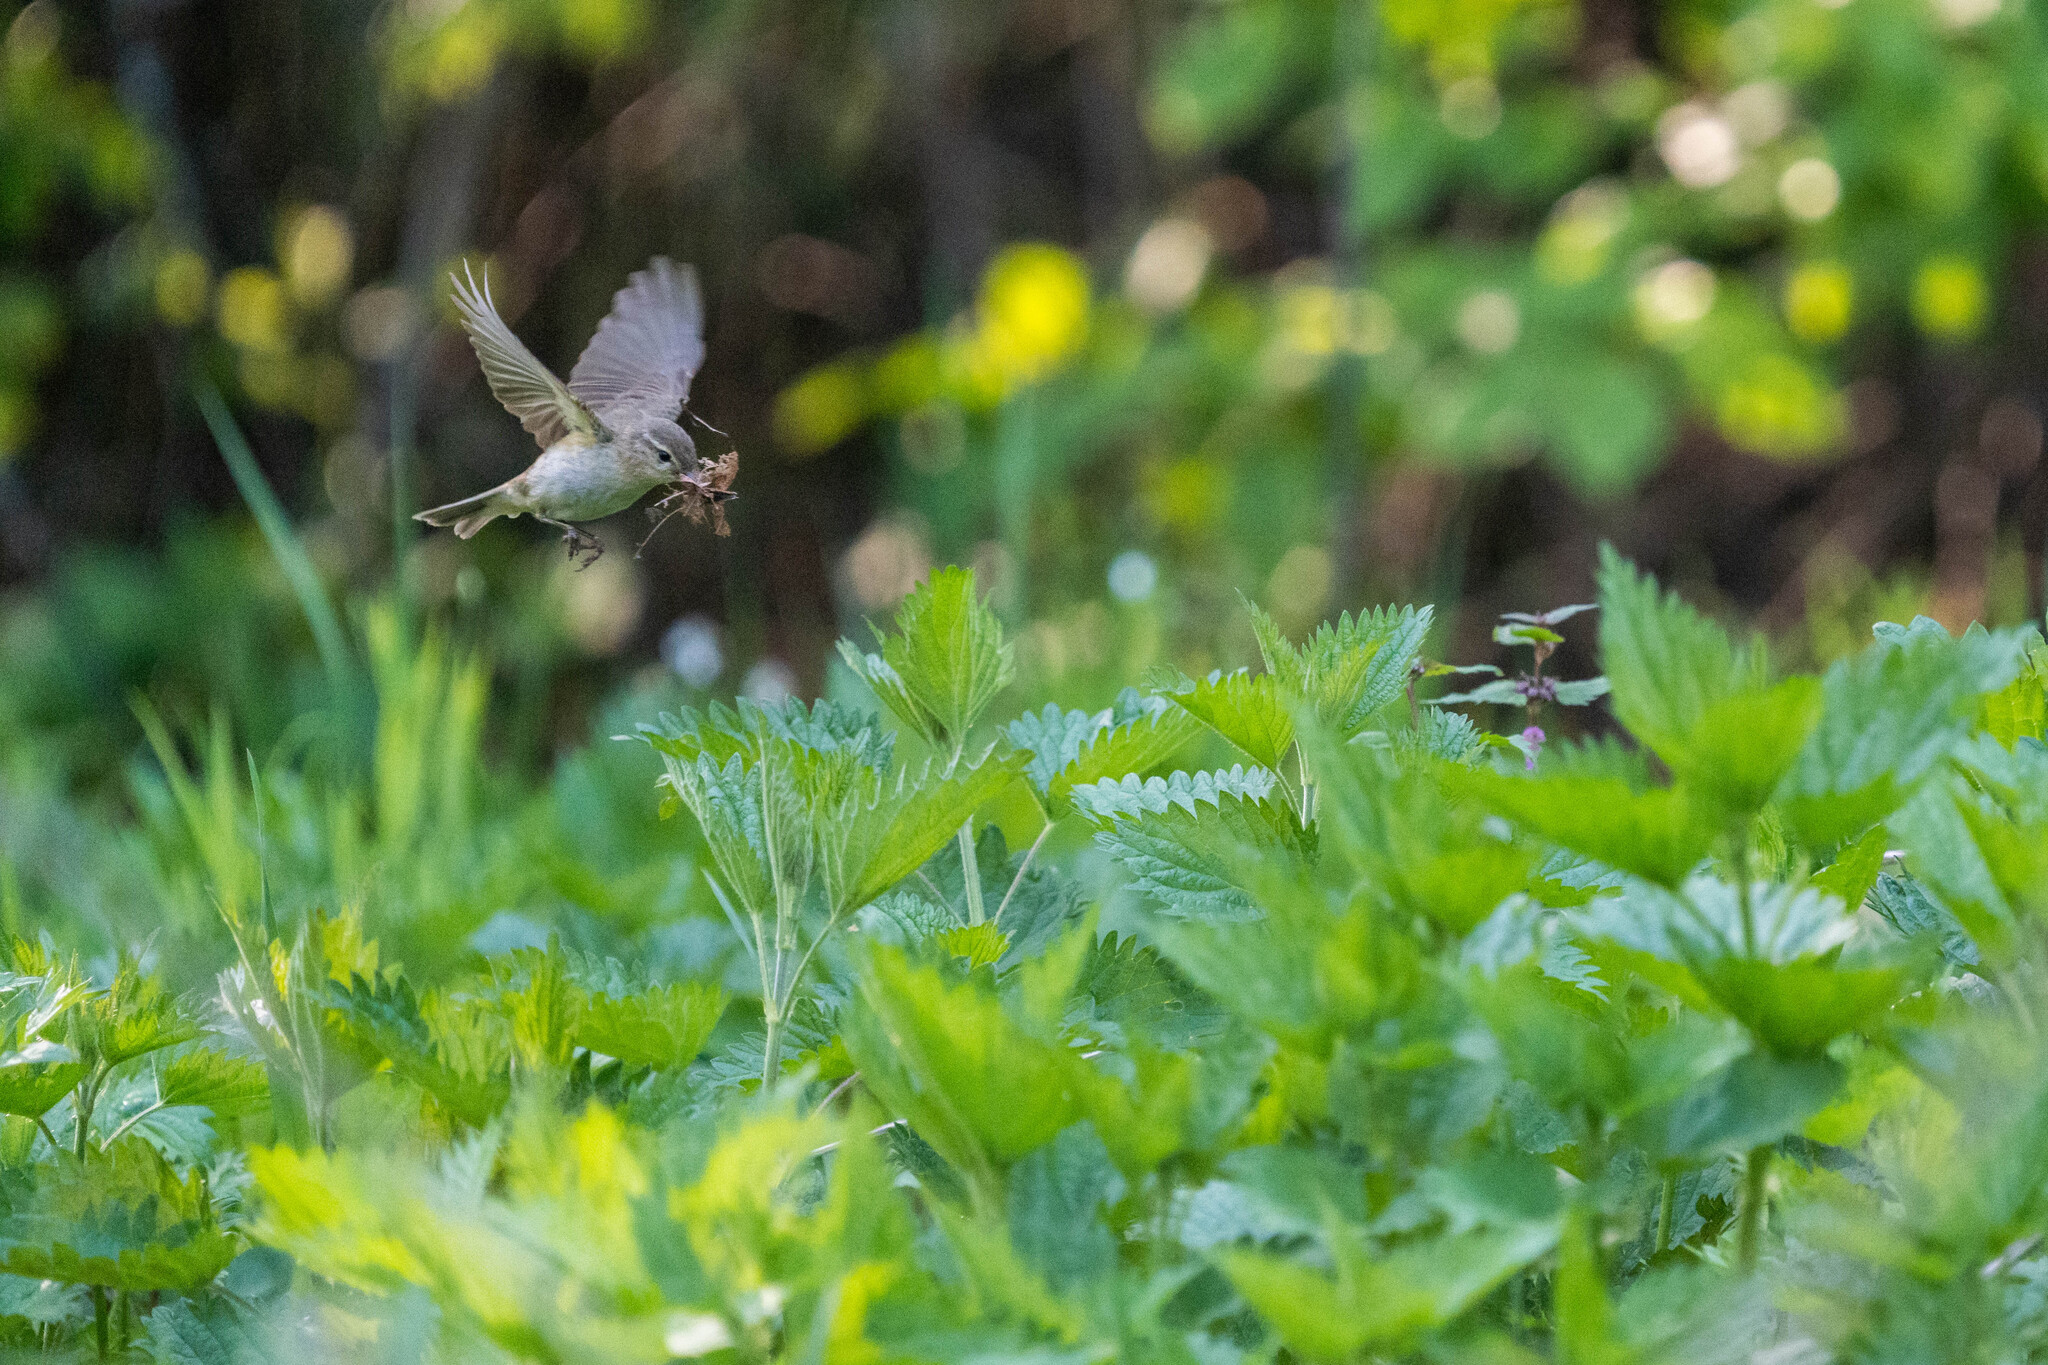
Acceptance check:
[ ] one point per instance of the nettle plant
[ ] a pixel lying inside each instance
(1721, 1038)
(118, 1189)
(1407, 1043)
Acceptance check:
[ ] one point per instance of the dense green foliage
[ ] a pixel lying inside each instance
(1395, 1038)
(1323, 300)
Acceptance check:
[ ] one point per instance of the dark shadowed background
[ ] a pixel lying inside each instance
(1133, 304)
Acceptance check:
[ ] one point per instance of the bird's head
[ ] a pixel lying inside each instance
(667, 451)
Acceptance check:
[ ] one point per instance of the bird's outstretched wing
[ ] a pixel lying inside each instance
(638, 367)
(527, 388)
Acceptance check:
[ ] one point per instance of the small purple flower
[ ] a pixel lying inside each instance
(1535, 689)
(1533, 737)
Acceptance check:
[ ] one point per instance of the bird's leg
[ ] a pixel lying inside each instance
(579, 541)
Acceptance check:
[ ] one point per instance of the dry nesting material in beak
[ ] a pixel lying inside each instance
(700, 495)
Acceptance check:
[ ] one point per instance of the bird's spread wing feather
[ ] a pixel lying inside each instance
(639, 365)
(527, 388)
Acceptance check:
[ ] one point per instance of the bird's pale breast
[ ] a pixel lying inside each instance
(577, 480)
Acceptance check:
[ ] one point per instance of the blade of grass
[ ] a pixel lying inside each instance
(279, 534)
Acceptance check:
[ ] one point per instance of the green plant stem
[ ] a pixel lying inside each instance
(1665, 1201)
(785, 993)
(970, 873)
(81, 1118)
(128, 1123)
(1022, 868)
(1296, 801)
(1308, 790)
(774, 1004)
(771, 1046)
(284, 542)
(1749, 1232)
(836, 1091)
(1742, 893)
(99, 1318)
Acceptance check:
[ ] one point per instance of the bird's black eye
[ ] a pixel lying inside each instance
(663, 455)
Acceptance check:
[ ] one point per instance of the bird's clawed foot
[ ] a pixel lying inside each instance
(584, 548)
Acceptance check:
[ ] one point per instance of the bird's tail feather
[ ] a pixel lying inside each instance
(467, 516)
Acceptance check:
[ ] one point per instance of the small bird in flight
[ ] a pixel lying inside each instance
(609, 435)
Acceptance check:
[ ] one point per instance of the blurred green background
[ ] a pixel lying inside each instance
(1135, 305)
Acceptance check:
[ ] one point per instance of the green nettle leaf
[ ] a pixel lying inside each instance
(1132, 797)
(1056, 1197)
(1584, 1314)
(1950, 863)
(1582, 691)
(132, 1016)
(1183, 838)
(122, 1219)
(905, 829)
(1438, 733)
(946, 663)
(1261, 971)
(1906, 907)
(1552, 1036)
(1072, 748)
(890, 689)
(1385, 1300)
(1667, 664)
(1756, 1098)
(457, 1051)
(35, 1077)
(207, 1332)
(1778, 968)
(1743, 744)
(978, 945)
(2019, 710)
(1132, 987)
(1888, 716)
(663, 1027)
(1798, 1008)
(1349, 670)
(1387, 815)
(744, 729)
(1851, 875)
(1660, 834)
(1460, 886)
(950, 1059)
(727, 799)
(1246, 709)
(231, 1087)
(1054, 739)
(905, 917)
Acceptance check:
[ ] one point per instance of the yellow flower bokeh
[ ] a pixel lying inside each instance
(1950, 298)
(821, 409)
(182, 287)
(1819, 297)
(1776, 406)
(1033, 312)
(317, 251)
(252, 309)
